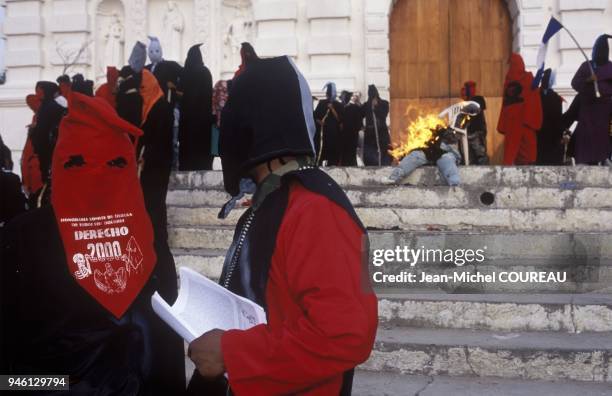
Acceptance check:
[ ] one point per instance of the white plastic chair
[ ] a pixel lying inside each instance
(453, 112)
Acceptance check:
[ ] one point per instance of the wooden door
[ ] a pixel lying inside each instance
(437, 45)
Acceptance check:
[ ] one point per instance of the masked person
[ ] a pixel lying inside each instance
(376, 138)
(81, 85)
(247, 55)
(353, 123)
(592, 134)
(521, 115)
(140, 100)
(30, 167)
(550, 136)
(329, 115)
(196, 114)
(477, 129)
(168, 73)
(78, 303)
(108, 90)
(44, 133)
(297, 252)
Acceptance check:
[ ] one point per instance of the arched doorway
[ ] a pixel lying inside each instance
(436, 45)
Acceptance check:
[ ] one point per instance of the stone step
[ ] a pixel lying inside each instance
(555, 220)
(548, 356)
(506, 312)
(410, 197)
(572, 313)
(500, 246)
(490, 176)
(367, 383)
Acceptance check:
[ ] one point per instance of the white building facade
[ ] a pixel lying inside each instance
(346, 41)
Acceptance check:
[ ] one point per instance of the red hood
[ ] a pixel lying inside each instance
(98, 203)
(517, 67)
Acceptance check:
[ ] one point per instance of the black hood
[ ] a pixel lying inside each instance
(546, 80)
(345, 97)
(373, 92)
(268, 115)
(601, 50)
(194, 58)
(50, 89)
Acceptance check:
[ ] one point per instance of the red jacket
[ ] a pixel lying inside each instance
(322, 314)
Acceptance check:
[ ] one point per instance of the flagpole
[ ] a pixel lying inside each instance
(587, 60)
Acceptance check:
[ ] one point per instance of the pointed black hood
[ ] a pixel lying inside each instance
(268, 115)
(194, 58)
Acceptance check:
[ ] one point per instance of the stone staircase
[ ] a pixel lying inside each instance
(520, 340)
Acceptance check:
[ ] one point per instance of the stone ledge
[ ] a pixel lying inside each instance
(275, 10)
(529, 356)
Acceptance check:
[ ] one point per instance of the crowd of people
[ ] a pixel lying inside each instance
(96, 166)
(84, 240)
(536, 129)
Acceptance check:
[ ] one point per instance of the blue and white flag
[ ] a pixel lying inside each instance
(553, 27)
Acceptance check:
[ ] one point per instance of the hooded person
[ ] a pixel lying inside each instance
(140, 101)
(329, 118)
(30, 167)
(477, 128)
(81, 85)
(377, 140)
(592, 134)
(196, 117)
(550, 136)
(353, 123)
(247, 55)
(44, 133)
(108, 90)
(521, 115)
(78, 304)
(167, 73)
(297, 251)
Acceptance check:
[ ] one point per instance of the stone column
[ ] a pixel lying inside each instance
(376, 56)
(135, 24)
(23, 27)
(207, 26)
(276, 26)
(330, 44)
(70, 29)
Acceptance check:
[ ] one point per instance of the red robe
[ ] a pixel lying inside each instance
(322, 315)
(521, 115)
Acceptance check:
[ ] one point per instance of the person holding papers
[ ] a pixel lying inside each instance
(299, 251)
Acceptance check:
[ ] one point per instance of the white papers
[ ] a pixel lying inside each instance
(203, 305)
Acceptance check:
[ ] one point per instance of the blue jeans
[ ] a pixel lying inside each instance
(447, 164)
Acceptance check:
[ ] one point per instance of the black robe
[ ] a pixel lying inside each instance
(50, 325)
(550, 149)
(332, 132)
(155, 147)
(353, 123)
(12, 200)
(167, 72)
(196, 114)
(44, 133)
(376, 120)
(477, 134)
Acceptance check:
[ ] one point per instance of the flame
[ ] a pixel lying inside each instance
(418, 133)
